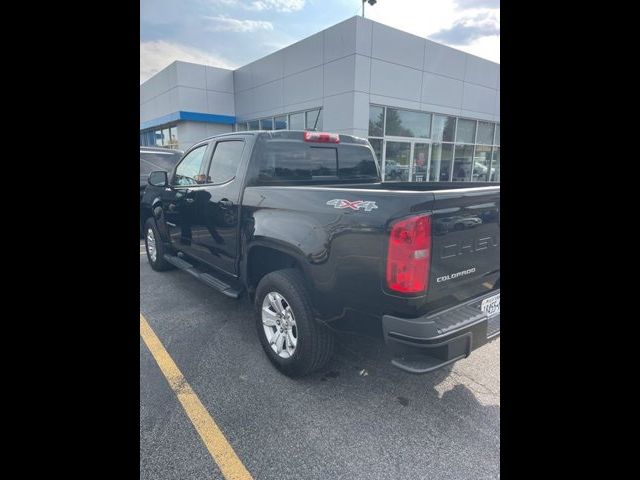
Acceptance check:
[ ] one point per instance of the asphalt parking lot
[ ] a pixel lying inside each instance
(360, 418)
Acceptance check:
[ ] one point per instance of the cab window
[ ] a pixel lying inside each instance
(188, 172)
(226, 160)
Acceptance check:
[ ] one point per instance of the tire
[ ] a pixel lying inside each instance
(159, 264)
(314, 341)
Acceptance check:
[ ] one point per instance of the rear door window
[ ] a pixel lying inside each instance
(225, 162)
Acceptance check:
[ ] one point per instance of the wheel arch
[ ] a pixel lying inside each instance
(264, 257)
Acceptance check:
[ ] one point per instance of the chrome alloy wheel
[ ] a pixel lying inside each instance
(151, 245)
(279, 324)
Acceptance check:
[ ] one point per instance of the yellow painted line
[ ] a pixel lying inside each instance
(213, 438)
(487, 284)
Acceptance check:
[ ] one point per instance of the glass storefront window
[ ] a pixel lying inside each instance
(396, 167)
(444, 128)
(173, 137)
(466, 131)
(462, 162)
(314, 120)
(165, 137)
(376, 121)
(463, 149)
(280, 123)
(481, 161)
(296, 121)
(405, 123)
(376, 143)
(441, 159)
(495, 165)
(485, 133)
(420, 161)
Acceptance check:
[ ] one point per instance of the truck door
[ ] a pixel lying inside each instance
(178, 200)
(215, 229)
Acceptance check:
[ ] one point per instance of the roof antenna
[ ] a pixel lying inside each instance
(371, 2)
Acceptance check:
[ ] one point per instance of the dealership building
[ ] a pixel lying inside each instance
(431, 112)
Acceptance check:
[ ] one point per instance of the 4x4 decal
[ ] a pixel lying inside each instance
(353, 205)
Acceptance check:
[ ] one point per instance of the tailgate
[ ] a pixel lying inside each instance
(465, 239)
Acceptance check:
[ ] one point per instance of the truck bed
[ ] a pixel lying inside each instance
(346, 248)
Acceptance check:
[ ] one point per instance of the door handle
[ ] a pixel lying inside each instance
(226, 203)
(189, 200)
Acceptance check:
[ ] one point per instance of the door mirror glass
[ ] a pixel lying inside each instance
(159, 178)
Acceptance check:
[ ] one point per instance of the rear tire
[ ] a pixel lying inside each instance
(155, 247)
(313, 341)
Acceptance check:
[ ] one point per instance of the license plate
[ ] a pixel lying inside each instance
(491, 305)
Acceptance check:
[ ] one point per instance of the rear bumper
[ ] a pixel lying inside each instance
(430, 342)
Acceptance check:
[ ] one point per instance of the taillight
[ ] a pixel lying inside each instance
(409, 255)
(321, 137)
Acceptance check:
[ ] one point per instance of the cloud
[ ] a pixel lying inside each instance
(428, 18)
(468, 29)
(468, 4)
(157, 54)
(259, 5)
(223, 23)
(279, 5)
(485, 47)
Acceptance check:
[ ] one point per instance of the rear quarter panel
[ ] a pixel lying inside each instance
(342, 251)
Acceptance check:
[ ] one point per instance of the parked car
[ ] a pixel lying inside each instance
(301, 223)
(481, 171)
(395, 171)
(155, 158)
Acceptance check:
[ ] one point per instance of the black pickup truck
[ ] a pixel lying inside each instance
(301, 223)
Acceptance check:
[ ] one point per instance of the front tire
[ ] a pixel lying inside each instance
(291, 337)
(155, 247)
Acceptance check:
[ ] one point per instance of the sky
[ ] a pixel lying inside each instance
(232, 33)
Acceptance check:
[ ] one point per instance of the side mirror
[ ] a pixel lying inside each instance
(159, 178)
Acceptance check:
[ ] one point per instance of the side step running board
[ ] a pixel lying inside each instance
(207, 278)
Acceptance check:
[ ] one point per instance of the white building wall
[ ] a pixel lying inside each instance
(411, 72)
(192, 132)
(358, 62)
(187, 87)
(342, 69)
